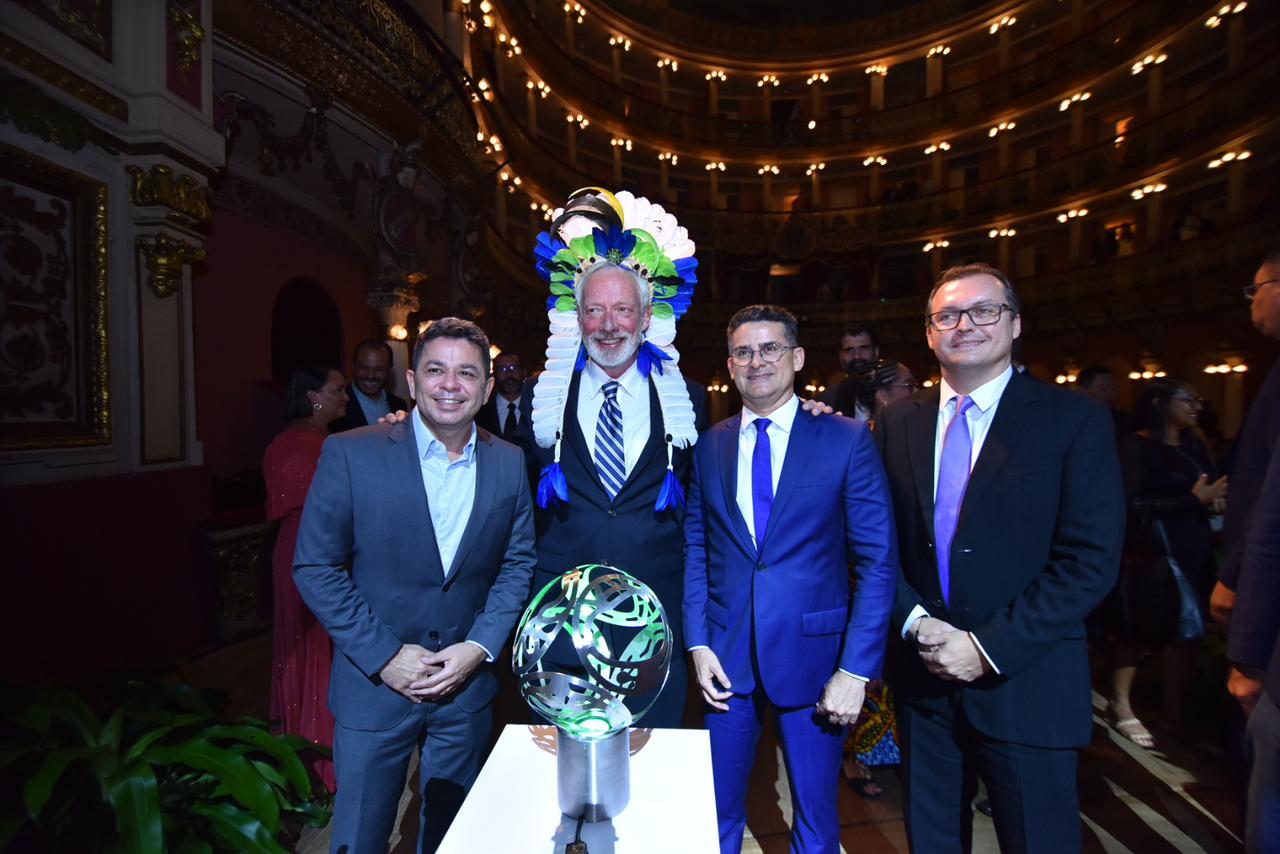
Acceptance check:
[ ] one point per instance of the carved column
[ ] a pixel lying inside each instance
(394, 300)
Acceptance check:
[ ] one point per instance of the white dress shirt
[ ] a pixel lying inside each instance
(633, 401)
(450, 486)
(780, 421)
(500, 406)
(986, 400)
(372, 407)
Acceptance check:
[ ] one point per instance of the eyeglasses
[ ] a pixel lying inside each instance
(507, 369)
(770, 352)
(980, 315)
(911, 385)
(1251, 291)
(1194, 402)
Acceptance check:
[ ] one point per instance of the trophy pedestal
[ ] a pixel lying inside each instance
(593, 778)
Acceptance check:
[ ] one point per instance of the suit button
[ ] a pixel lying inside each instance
(433, 634)
(613, 513)
(761, 566)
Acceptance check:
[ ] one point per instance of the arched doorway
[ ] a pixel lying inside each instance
(305, 330)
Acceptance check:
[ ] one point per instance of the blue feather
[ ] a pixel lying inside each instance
(671, 495)
(552, 487)
(581, 361)
(649, 357)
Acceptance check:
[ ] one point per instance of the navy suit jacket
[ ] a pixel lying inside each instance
(1255, 446)
(368, 566)
(790, 597)
(1036, 548)
(1254, 638)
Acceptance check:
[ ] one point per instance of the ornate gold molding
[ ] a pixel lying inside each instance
(165, 257)
(188, 33)
(33, 62)
(180, 193)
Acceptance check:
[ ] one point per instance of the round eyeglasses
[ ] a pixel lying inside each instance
(770, 352)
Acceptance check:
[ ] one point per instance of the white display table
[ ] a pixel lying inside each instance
(513, 809)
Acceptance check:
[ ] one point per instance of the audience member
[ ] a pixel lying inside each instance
(1010, 511)
(415, 553)
(1099, 383)
(769, 618)
(301, 652)
(1255, 625)
(1172, 485)
(859, 349)
(503, 412)
(371, 368)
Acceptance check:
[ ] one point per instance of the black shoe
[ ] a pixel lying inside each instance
(984, 806)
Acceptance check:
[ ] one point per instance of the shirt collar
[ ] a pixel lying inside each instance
(782, 417)
(594, 378)
(984, 396)
(429, 446)
(382, 395)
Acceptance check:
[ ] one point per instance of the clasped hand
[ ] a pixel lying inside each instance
(948, 652)
(419, 674)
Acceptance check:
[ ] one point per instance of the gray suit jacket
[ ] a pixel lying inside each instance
(367, 565)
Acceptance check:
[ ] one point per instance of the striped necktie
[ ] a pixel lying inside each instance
(610, 459)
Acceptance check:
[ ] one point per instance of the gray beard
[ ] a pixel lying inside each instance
(625, 355)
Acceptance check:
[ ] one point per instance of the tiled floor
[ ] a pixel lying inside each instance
(1181, 799)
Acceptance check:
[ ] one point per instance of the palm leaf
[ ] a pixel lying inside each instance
(135, 796)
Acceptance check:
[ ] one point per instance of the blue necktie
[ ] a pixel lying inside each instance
(610, 460)
(761, 480)
(953, 477)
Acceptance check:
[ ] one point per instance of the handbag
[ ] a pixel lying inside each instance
(1153, 604)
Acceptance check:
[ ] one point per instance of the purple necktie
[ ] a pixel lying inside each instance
(761, 479)
(953, 477)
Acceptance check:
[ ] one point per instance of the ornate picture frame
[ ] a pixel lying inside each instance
(54, 347)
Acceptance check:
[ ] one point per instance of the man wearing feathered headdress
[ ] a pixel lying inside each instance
(613, 419)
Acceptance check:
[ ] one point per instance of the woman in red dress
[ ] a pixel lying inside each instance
(301, 651)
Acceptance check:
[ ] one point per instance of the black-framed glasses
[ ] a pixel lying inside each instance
(770, 352)
(1251, 291)
(984, 314)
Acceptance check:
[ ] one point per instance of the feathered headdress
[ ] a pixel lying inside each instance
(593, 226)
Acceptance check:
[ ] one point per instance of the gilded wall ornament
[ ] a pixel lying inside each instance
(188, 33)
(86, 21)
(165, 257)
(26, 106)
(180, 193)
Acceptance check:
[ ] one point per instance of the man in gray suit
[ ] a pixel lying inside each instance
(415, 553)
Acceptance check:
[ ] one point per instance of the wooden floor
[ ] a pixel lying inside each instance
(1183, 798)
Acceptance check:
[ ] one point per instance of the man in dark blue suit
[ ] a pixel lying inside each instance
(1254, 641)
(415, 553)
(1010, 512)
(781, 502)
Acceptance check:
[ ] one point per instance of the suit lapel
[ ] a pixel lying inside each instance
(355, 412)
(726, 438)
(1006, 431)
(572, 430)
(802, 429)
(486, 483)
(406, 479)
(922, 433)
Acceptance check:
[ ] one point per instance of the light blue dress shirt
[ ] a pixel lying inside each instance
(450, 486)
(373, 408)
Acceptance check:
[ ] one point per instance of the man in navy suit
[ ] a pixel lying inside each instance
(415, 553)
(370, 400)
(781, 502)
(509, 405)
(1254, 641)
(1010, 513)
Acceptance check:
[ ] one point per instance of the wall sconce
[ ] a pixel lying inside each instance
(878, 68)
(1147, 189)
(1001, 128)
(940, 243)
(1006, 21)
(619, 41)
(1070, 373)
(575, 10)
(876, 160)
(820, 77)
(717, 165)
(771, 168)
(1150, 368)
(511, 45)
(767, 80)
(543, 89)
(1002, 232)
(397, 332)
(1072, 214)
(715, 74)
(668, 156)
(815, 386)
(579, 119)
(1216, 19)
(815, 167)
(668, 62)
(1077, 98)
(938, 146)
(620, 142)
(938, 50)
(718, 385)
(1149, 59)
(1230, 156)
